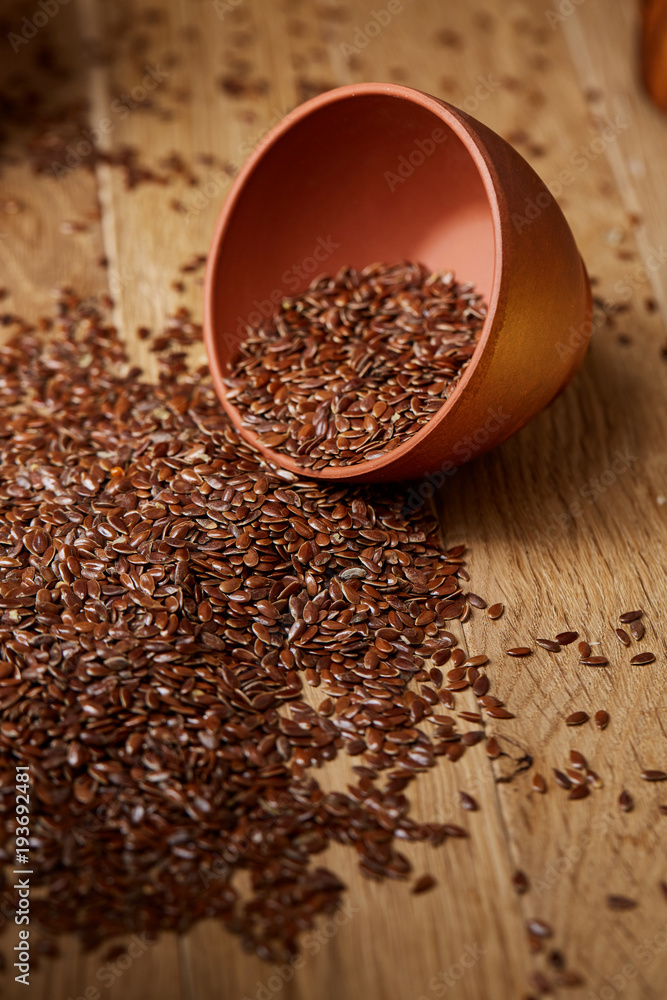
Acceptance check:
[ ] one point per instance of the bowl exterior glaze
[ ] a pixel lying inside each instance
(472, 204)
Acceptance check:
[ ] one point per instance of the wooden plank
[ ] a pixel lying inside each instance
(561, 529)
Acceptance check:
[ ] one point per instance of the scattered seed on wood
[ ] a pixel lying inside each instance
(621, 903)
(499, 713)
(654, 775)
(519, 651)
(539, 784)
(565, 638)
(584, 649)
(636, 630)
(520, 882)
(468, 802)
(495, 610)
(626, 801)
(556, 959)
(561, 779)
(423, 884)
(641, 659)
(594, 661)
(577, 760)
(622, 636)
(629, 616)
(549, 644)
(602, 719)
(576, 719)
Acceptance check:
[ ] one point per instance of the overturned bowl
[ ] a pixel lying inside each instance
(380, 172)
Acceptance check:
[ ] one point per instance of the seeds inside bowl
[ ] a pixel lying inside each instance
(349, 369)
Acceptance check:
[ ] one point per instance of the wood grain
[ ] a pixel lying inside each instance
(565, 523)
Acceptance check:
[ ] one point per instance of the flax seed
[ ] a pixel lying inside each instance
(602, 719)
(626, 801)
(641, 659)
(549, 644)
(636, 630)
(621, 903)
(539, 784)
(576, 719)
(350, 368)
(629, 616)
(423, 884)
(565, 638)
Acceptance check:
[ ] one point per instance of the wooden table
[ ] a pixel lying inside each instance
(566, 522)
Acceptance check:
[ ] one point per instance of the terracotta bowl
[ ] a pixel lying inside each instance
(380, 172)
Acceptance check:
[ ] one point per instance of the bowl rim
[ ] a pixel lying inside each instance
(464, 127)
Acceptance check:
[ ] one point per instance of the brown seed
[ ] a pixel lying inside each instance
(472, 738)
(584, 650)
(561, 779)
(565, 638)
(654, 775)
(602, 719)
(477, 602)
(621, 903)
(662, 809)
(495, 610)
(171, 603)
(549, 644)
(499, 713)
(520, 882)
(636, 630)
(470, 716)
(629, 616)
(579, 792)
(641, 659)
(468, 802)
(458, 657)
(481, 686)
(492, 748)
(576, 719)
(626, 801)
(423, 884)
(594, 661)
(539, 784)
(519, 651)
(622, 636)
(578, 760)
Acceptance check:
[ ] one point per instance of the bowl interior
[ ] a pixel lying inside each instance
(368, 177)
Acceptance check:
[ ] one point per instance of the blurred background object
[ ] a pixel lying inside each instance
(654, 50)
